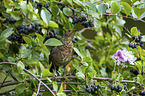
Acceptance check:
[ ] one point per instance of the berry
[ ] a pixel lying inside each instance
(141, 44)
(115, 88)
(27, 67)
(84, 18)
(112, 88)
(87, 89)
(118, 86)
(125, 83)
(96, 88)
(141, 34)
(87, 47)
(39, 5)
(124, 86)
(139, 58)
(74, 41)
(85, 24)
(118, 90)
(133, 37)
(137, 40)
(130, 45)
(0, 14)
(141, 93)
(124, 28)
(92, 90)
(134, 71)
(7, 19)
(46, 5)
(91, 23)
(15, 0)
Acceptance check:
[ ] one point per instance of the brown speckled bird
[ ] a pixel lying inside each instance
(61, 55)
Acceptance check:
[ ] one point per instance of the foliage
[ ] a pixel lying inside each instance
(29, 30)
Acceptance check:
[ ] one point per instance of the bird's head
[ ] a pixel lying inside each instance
(69, 34)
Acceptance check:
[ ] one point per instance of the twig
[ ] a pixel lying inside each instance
(8, 63)
(40, 81)
(10, 83)
(38, 88)
(75, 83)
(125, 17)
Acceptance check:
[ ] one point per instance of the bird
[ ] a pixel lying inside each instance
(62, 55)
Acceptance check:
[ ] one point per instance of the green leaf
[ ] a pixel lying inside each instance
(139, 11)
(23, 6)
(80, 75)
(97, 23)
(1, 55)
(140, 79)
(127, 8)
(134, 31)
(102, 8)
(11, 59)
(55, 10)
(45, 15)
(39, 37)
(16, 15)
(114, 75)
(46, 72)
(20, 88)
(20, 66)
(52, 24)
(53, 42)
(61, 94)
(25, 53)
(27, 40)
(7, 32)
(91, 5)
(61, 88)
(78, 52)
(115, 8)
(55, 86)
(67, 11)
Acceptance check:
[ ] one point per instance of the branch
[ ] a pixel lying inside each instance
(38, 88)
(40, 81)
(125, 17)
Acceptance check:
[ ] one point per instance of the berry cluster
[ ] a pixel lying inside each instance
(28, 29)
(40, 5)
(137, 41)
(134, 71)
(52, 35)
(14, 0)
(88, 24)
(116, 88)
(11, 20)
(142, 93)
(77, 19)
(17, 37)
(92, 90)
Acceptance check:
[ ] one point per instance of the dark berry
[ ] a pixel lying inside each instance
(118, 86)
(115, 88)
(141, 44)
(134, 71)
(124, 28)
(112, 88)
(27, 67)
(124, 86)
(46, 5)
(87, 89)
(91, 23)
(139, 58)
(15, 0)
(141, 34)
(118, 90)
(79, 20)
(0, 14)
(130, 45)
(7, 19)
(84, 18)
(92, 90)
(133, 37)
(137, 40)
(98, 86)
(85, 24)
(33, 25)
(39, 5)
(141, 93)
(87, 47)
(125, 83)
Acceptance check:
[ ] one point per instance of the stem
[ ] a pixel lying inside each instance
(40, 81)
(38, 88)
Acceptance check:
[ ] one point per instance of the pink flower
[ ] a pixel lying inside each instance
(123, 56)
